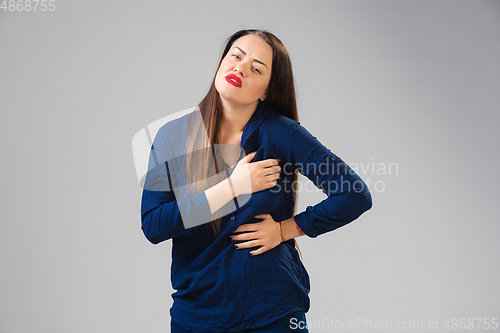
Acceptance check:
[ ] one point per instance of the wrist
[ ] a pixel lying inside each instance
(281, 232)
(285, 233)
(291, 229)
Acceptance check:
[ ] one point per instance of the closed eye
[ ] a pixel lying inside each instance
(257, 70)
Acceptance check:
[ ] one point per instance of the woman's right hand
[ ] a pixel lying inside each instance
(253, 177)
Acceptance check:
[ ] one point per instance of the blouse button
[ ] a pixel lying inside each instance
(364, 194)
(232, 218)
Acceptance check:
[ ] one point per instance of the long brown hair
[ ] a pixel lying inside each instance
(280, 97)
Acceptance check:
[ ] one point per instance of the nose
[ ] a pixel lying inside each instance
(238, 70)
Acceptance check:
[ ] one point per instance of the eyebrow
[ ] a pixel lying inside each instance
(256, 60)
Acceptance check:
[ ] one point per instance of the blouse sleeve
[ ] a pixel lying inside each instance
(162, 216)
(348, 195)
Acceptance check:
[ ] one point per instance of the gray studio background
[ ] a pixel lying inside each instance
(412, 83)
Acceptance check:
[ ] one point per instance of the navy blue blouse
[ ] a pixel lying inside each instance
(223, 289)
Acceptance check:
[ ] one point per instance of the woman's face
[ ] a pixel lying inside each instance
(245, 71)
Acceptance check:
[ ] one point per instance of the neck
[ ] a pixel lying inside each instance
(235, 118)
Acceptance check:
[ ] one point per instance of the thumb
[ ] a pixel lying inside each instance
(250, 157)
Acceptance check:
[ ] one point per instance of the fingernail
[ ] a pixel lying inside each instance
(236, 246)
(250, 253)
(231, 238)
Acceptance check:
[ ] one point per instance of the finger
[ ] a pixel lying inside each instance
(247, 244)
(240, 228)
(246, 227)
(273, 171)
(248, 236)
(273, 162)
(271, 181)
(260, 250)
(267, 163)
(273, 177)
(262, 216)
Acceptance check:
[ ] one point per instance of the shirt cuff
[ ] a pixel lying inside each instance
(305, 221)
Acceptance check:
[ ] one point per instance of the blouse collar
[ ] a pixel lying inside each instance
(255, 121)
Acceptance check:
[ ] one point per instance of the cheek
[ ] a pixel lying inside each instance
(220, 77)
(218, 81)
(263, 87)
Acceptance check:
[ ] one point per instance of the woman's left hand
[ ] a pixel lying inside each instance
(266, 234)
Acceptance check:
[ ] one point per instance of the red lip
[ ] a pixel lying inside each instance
(232, 77)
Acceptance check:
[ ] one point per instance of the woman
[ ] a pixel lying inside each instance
(241, 272)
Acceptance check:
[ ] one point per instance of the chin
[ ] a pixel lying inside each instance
(225, 92)
(229, 95)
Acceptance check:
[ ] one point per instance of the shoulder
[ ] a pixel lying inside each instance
(279, 122)
(178, 123)
(170, 132)
(277, 131)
